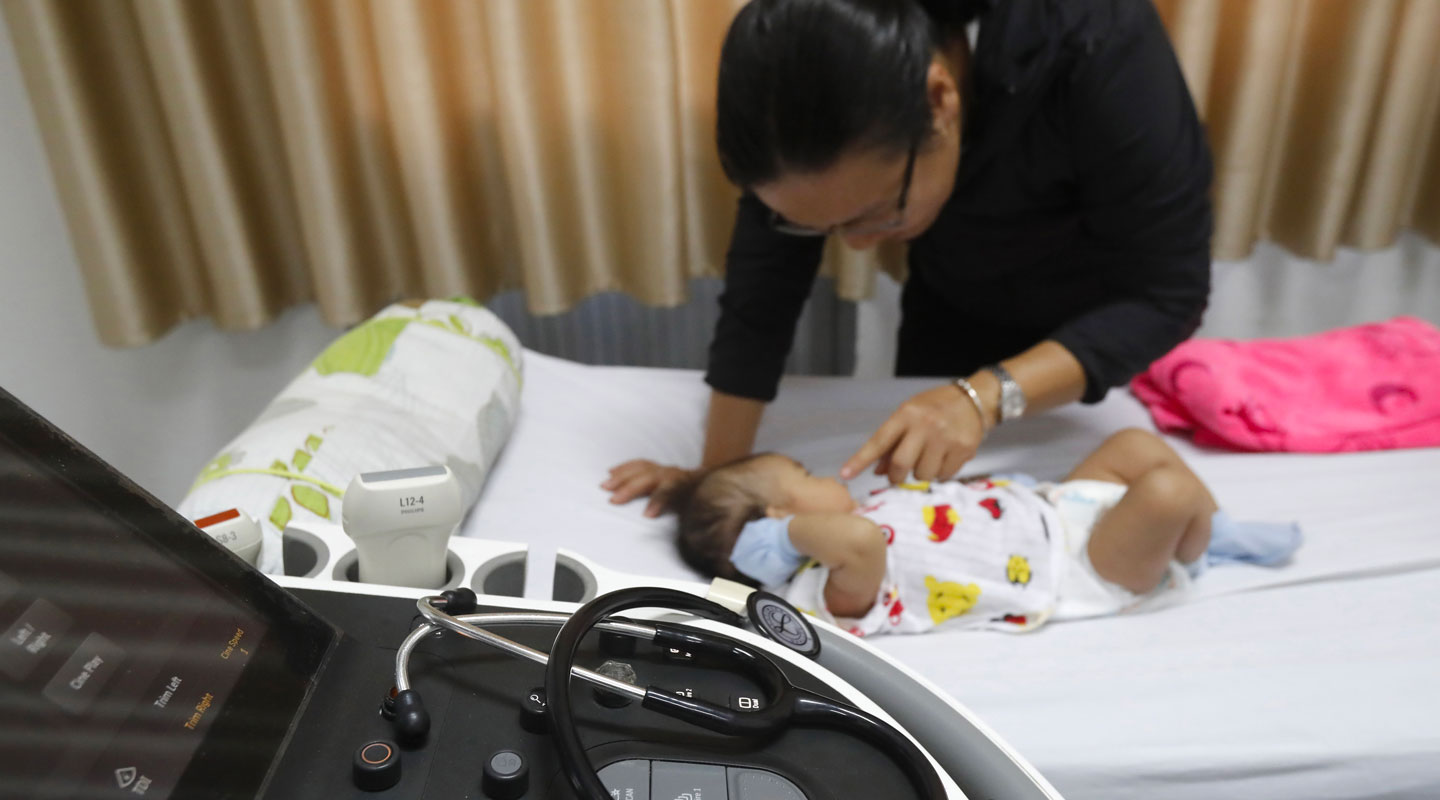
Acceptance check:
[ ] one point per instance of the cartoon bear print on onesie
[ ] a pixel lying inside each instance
(1017, 570)
(949, 599)
(941, 520)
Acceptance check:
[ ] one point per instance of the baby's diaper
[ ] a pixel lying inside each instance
(1083, 593)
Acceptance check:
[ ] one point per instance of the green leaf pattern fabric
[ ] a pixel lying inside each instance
(438, 384)
(280, 515)
(311, 500)
(363, 349)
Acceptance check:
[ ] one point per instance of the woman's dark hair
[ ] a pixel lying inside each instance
(802, 82)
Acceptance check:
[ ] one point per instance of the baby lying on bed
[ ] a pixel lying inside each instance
(1129, 527)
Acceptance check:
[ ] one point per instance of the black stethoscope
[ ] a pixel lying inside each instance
(785, 705)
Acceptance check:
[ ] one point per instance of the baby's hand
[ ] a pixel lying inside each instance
(642, 477)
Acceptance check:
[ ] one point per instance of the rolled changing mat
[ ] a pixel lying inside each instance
(411, 386)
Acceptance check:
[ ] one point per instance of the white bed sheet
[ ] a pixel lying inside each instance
(1317, 680)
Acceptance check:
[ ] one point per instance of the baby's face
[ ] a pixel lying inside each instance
(801, 492)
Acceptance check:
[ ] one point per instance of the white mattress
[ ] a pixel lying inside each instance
(1317, 680)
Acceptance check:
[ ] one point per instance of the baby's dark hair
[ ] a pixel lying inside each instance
(713, 507)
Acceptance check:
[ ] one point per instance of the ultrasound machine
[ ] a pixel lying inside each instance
(142, 658)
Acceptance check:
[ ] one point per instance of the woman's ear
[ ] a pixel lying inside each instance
(944, 94)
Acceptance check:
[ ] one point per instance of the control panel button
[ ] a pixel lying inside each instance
(676, 654)
(75, 687)
(747, 702)
(627, 780)
(506, 775)
(670, 780)
(31, 638)
(757, 784)
(377, 766)
(620, 671)
(533, 716)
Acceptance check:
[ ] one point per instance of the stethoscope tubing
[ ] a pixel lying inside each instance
(789, 703)
(473, 626)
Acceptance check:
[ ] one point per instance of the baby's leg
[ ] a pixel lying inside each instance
(1164, 515)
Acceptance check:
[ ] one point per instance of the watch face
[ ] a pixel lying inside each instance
(781, 622)
(1014, 407)
(1012, 397)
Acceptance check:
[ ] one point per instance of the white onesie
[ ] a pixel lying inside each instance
(983, 554)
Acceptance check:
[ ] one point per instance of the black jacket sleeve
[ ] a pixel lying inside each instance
(768, 276)
(1143, 172)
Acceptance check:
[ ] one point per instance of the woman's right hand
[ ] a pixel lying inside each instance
(642, 477)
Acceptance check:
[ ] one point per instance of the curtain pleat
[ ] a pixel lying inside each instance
(698, 29)
(332, 119)
(1339, 62)
(1389, 183)
(89, 69)
(414, 47)
(1320, 115)
(1426, 215)
(232, 158)
(202, 57)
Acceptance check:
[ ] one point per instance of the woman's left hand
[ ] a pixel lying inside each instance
(931, 435)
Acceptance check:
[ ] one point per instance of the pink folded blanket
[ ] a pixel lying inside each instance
(1370, 387)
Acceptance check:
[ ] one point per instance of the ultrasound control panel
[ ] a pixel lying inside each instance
(642, 779)
(489, 736)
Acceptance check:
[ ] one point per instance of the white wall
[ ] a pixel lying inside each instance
(1276, 294)
(157, 413)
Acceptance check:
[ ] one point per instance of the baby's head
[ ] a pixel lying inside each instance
(715, 506)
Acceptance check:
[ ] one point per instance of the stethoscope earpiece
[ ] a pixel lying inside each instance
(412, 721)
(459, 601)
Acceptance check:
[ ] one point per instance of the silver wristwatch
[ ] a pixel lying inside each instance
(1012, 397)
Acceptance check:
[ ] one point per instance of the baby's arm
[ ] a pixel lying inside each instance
(853, 548)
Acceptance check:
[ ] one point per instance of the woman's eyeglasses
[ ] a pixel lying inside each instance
(859, 227)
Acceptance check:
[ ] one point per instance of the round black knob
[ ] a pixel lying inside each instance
(533, 716)
(377, 766)
(506, 775)
(620, 671)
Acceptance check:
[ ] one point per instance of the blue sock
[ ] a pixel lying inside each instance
(1263, 543)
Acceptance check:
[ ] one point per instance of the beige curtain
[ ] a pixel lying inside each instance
(1324, 118)
(231, 158)
(234, 157)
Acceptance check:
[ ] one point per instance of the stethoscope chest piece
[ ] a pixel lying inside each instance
(781, 622)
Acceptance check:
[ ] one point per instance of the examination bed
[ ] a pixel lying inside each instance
(1314, 680)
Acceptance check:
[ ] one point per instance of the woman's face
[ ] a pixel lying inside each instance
(858, 195)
